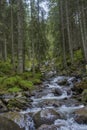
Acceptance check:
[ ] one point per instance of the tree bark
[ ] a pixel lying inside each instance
(5, 48)
(68, 31)
(20, 37)
(32, 40)
(82, 31)
(62, 32)
(12, 38)
(85, 31)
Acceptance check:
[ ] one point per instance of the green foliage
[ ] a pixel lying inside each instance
(26, 75)
(14, 89)
(78, 55)
(38, 75)
(25, 85)
(14, 84)
(5, 67)
(11, 81)
(36, 81)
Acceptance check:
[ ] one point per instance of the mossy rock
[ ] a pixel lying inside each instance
(45, 116)
(18, 103)
(81, 86)
(26, 85)
(10, 81)
(6, 124)
(36, 81)
(84, 95)
(15, 84)
(15, 89)
(81, 116)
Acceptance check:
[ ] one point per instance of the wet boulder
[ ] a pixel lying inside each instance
(19, 103)
(50, 74)
(45, 116)
(3, 107)
(81, 116)
(84, 96)
(57, 92)
(22, 120)
(48, 102)
(6, 124)
(62, 82)
(80, 86)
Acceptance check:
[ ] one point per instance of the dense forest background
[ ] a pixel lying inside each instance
(32, 35)
(43, 64)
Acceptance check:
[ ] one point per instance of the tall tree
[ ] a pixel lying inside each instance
(20, 36)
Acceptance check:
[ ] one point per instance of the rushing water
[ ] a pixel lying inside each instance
(67, 123)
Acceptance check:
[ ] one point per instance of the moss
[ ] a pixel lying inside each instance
(36, 81)
(82, 85)
(11, 81)
(14, 103)
(20, 103)
(25, 85)
(84, 96)
(14, 89)
(29, 75)
(15, 84)
(38, 75)
(26, 75)
(78, 55)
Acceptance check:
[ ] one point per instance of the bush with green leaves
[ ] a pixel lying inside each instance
(5, 67)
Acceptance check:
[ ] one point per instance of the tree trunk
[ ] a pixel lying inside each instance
(32, 40)
(1, 55)
(62, 32)
(12, 38)
(85, 32)
(20, 37)
(5, 48)
(68, 31)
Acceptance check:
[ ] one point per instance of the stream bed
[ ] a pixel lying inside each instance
(53, 107)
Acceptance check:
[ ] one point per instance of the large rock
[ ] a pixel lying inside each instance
(57, 92)
(47, 127)
(23, 120)
(62, 82)
(3, 107)
(6, 124)
(84, 96)
(14, 116)
(81, 116)
(45, 116)
(19, 103)
(80, 86)
(50, 74)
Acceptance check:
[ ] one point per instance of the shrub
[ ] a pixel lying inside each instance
(5, 67)
(14, 89)
(25, 85)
